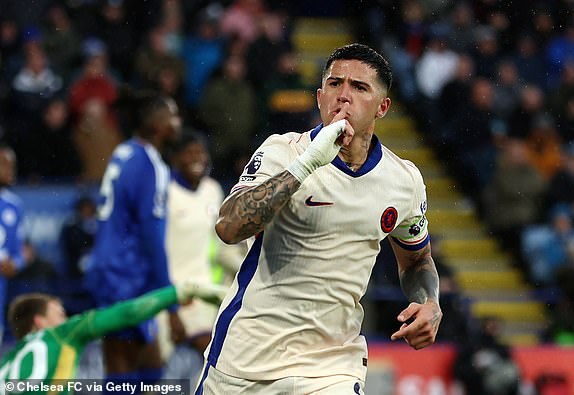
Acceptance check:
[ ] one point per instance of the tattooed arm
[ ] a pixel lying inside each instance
(247, 212)
(420, 283)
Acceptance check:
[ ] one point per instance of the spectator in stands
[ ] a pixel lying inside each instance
(95, 124)
(9, 56)
(170, 83)
(119, 35)
(454, 99)
(433, 70)
(32, 88)
(513, 198)
(436, 66)
(486, 53)
(546, 247)
(561, 186)
(11, 216)
(474, 137)
(56, 156)
(154, 57)
(543, 25)
(289, 104)
(62, 42)
(531, 105)
(194, 200)
(240, 20)
(529, 61)
(203, 53)
(10, 43)
(484, 364)
(460, 26)
(561, 103)
(229, 111)
(270, 44)
(506, 89)
(405, 46)
(544, 146)
(559, 52)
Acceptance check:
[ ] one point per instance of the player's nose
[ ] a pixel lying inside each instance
(344, 93)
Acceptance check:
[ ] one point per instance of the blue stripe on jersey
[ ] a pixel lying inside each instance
(199, 390)
(374, 157)
(413, 247)
(246, 273)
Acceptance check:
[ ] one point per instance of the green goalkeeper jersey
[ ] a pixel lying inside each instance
(53, 354)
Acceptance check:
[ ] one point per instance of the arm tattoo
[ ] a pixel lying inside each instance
(247, 213)
(420, 280)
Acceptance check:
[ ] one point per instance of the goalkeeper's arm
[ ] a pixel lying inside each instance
(97, 323)
(246, 213)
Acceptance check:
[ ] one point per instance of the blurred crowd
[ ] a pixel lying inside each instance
(67, 67)
(491, 84)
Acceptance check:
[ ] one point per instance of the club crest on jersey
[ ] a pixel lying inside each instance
(389, 219)
(255, 163)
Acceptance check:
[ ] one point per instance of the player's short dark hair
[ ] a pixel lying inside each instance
(366, 55)
(24, 308)
(145, 106)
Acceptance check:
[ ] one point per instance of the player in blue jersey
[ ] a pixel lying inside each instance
(129, 256)
(11, 241)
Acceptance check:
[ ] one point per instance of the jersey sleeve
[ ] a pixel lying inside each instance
(412, 233)
(271, 158)
(81, 329)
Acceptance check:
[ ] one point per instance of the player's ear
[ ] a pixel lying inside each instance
(319, 93)
(37, 322)
(384, 107)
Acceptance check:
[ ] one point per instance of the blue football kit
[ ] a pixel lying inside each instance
(129, 256)
(11, 240)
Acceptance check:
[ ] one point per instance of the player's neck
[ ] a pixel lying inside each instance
(156, 142)
(356, 154)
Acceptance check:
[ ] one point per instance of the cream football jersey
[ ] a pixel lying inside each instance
(190, 238)
(190, 229)
(294, 309)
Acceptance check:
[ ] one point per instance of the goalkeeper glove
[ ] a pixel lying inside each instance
(210, 293)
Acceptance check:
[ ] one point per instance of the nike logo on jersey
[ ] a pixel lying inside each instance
(312, 203)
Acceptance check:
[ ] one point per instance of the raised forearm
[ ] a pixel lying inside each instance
(246, 214)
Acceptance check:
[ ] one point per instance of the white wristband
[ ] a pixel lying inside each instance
(299, 170)
(320, 151)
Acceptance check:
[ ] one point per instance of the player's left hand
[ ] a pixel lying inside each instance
(419, 324)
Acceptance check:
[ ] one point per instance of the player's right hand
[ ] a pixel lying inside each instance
(324, 147)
